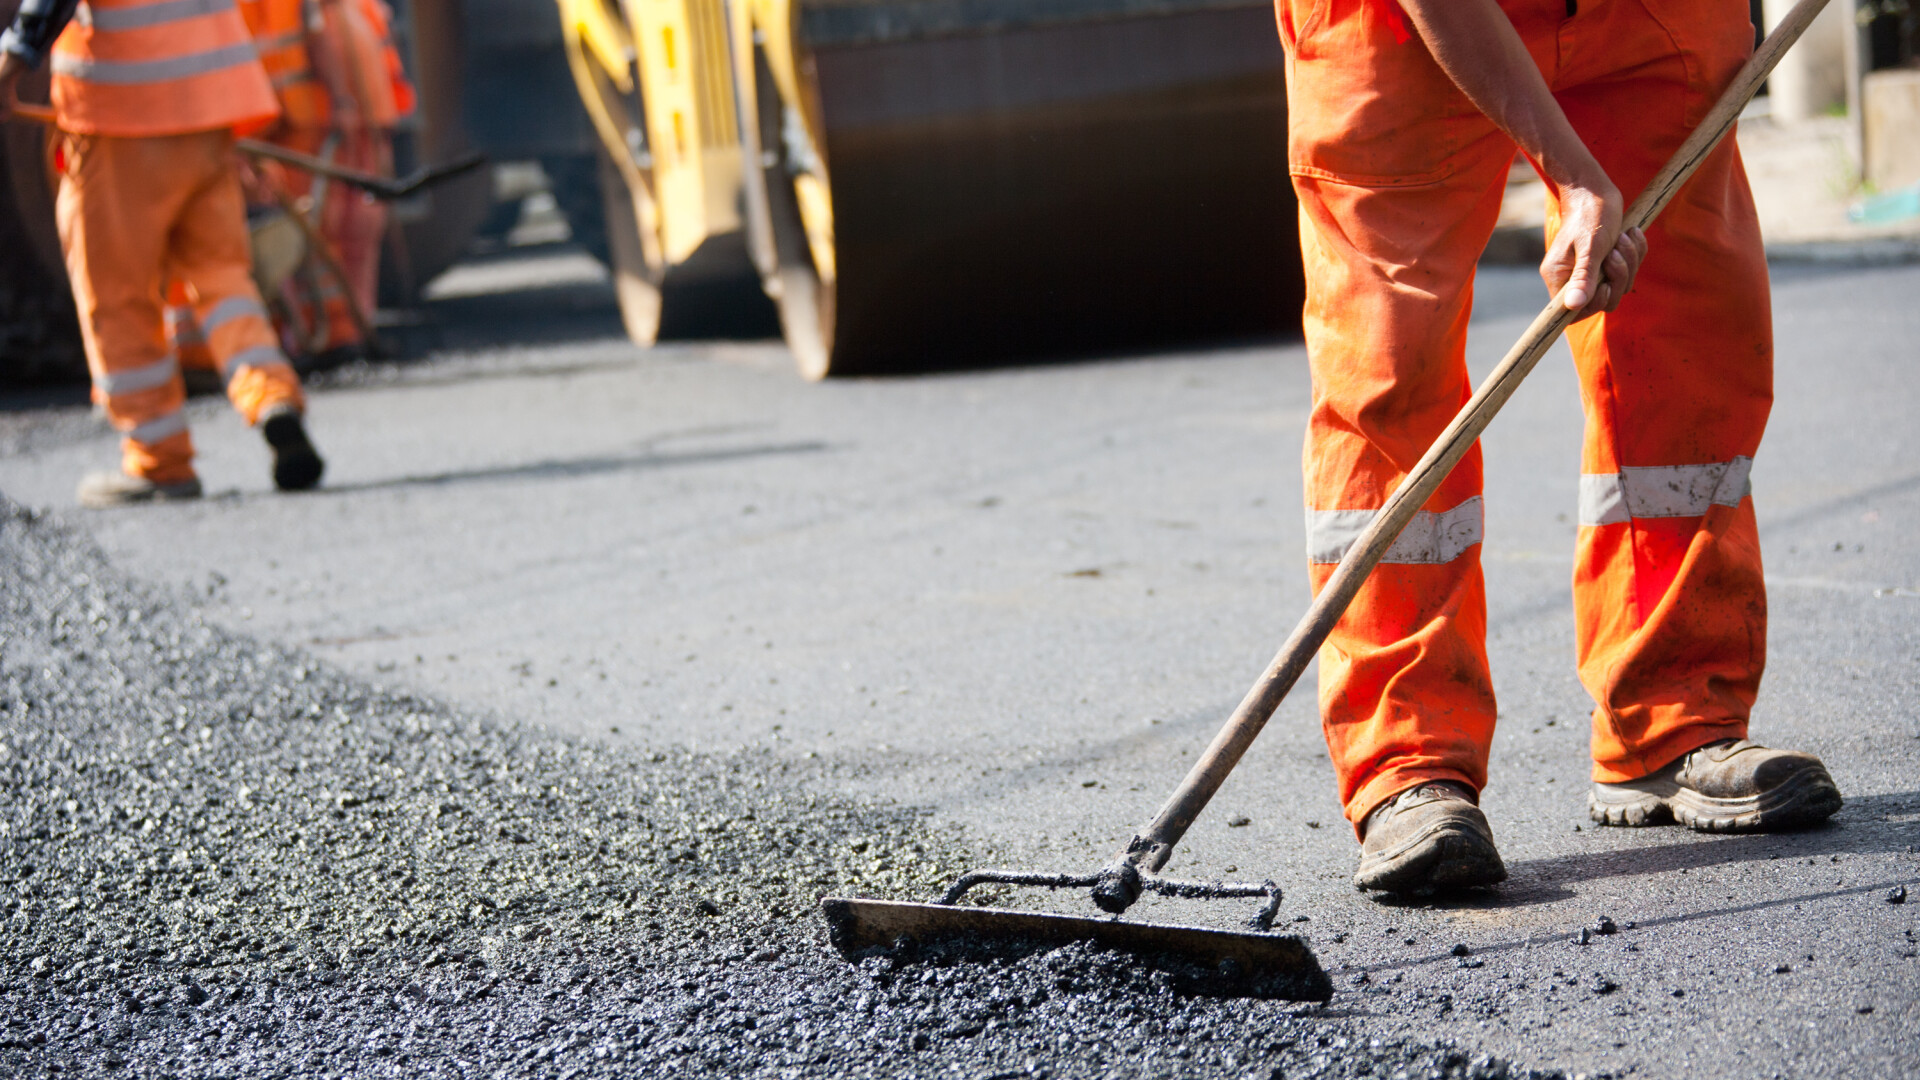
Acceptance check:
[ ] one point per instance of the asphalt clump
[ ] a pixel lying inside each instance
(222, 858)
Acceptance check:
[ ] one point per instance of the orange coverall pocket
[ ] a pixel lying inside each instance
(1712, 38)
(1367, 105)
(1298, 17)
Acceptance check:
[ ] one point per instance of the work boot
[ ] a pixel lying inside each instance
(1729, 786)
(1427, 838)
(296, 464)
(103, 490)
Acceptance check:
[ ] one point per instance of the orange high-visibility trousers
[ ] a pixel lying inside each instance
(1400, 181)
(134, 213)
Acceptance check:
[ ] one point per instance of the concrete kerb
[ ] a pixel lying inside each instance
(1874, 251)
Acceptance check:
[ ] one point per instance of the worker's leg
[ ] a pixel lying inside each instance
(184, 337)
(1399, 180)
(208, 250)
(117, 200)
(353, 224)
(305, 296)
(1677, 383)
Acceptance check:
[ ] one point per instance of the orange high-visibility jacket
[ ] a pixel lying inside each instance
(280, 29)
(362, 43)
(158, 67)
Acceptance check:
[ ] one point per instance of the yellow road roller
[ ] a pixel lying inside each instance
(932, 183)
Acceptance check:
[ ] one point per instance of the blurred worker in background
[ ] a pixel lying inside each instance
(146, 96)
(342, 91)
(1404, 117)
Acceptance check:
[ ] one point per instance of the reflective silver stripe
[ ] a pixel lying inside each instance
(159, 428)
(144, 377)
(280, 41)
(257, 357)
(1429, 537)
(127, 72)
(145, 15)
(233, 307)
(1663, 491)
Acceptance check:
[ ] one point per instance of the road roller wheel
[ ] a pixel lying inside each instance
(39, 330)
(636, 280)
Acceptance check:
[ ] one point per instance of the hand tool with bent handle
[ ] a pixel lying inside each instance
(857, 924)
(379, 187)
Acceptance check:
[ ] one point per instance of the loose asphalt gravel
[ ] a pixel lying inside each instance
(697, 643)
(221, 858)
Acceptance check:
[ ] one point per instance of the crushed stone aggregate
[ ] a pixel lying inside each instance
(221, 858)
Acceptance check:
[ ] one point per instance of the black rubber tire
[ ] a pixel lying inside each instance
(39, 329)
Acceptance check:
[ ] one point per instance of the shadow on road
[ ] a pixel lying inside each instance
(35, 398)
(1644, 924)
(1823, 510)
(1863, 827)
(579, 467)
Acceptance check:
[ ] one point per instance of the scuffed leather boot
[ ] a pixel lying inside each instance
(1428, 838)
(1729, 786)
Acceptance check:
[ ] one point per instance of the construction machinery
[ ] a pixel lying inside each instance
(931, 182)
(491, 77)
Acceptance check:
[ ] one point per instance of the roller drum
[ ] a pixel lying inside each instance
(1034, 177)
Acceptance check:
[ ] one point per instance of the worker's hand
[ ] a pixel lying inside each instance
(1591, 263)
(11, 68)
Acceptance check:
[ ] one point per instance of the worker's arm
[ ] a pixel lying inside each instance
(1591, 263)
(25, 44)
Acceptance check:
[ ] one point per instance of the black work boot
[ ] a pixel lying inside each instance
(296, 464)
(1729, 786)
(1427, 838)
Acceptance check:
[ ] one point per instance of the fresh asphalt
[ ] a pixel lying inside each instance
(685, 642)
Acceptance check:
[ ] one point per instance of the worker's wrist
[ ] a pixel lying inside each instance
(1579, 172)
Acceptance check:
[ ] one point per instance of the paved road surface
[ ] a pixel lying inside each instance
(1022, 599)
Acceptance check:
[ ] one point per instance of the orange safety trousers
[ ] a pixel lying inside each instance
(134, 213)
(351, 223)
(1400, 182)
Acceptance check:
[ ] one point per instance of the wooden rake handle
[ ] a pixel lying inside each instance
(1153, 845)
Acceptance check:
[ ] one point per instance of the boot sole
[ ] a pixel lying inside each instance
(296, 464)
(1806, 799)
(176, 493)
(1448, 856)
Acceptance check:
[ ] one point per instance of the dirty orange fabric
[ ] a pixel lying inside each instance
(134, 214)
(189, 345)
(361, 39)
(343, 53)
(280, 34)
(158, 67)
(350, 221)
(1399, 181)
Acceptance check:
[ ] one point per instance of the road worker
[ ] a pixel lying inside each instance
(1405, 116)
(342, 91)
(146, 94)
